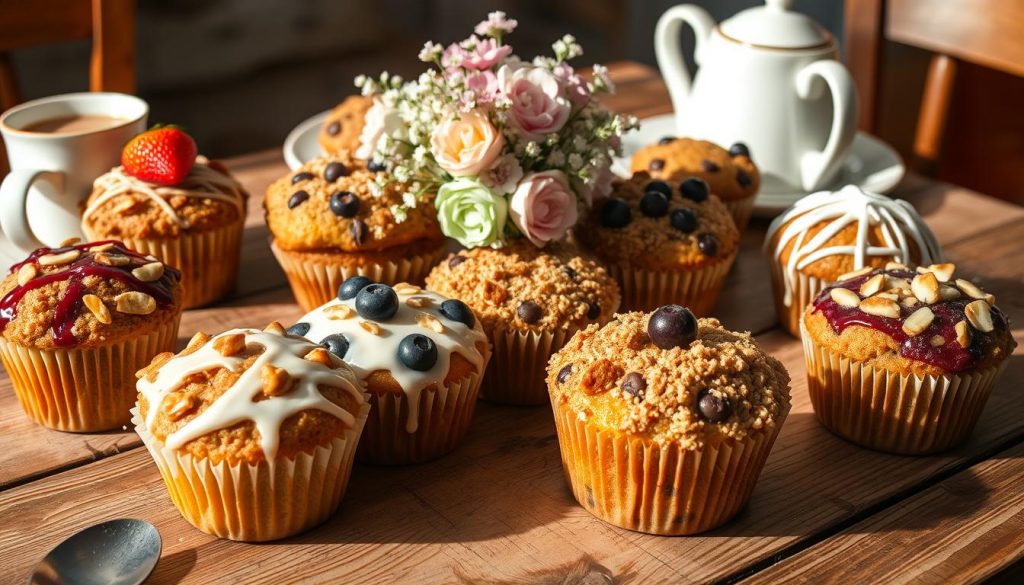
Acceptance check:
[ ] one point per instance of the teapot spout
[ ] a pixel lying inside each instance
(668, 47)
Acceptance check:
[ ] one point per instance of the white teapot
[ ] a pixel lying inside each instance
(760, 81)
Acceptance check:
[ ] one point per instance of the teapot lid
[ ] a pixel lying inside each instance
(775, 25)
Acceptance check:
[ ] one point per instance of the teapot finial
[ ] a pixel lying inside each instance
(779, 4)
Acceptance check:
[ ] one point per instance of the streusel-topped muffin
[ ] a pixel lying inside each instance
(340, 131)
(647, 395)
(663, 242)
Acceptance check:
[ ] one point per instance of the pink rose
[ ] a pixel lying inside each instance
(599, 188)
(543, 207)
(486, 54)
(467, 145)
(484, 84)
(538, 107)
(575, 87)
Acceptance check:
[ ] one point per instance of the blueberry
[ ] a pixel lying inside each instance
(593, 311)
(569, 271)
(743, 179)
(351, 287)
(344, 203)
(634, 384)
(458, 311)
(654, 204)
(667, 140)
(299, 329)
(530, 312)
(417, 352)
(659, 187)
(298, 198)
(335, 343)
(672, 326)
(334, 128)
(300, 177)
(377, 302)
(712, 406)
(564, 373)
(695, 189)
(456, 260)
(334, 171)
(708, 244)
(615, 213)
(709, 166)
(739, 149)
(684, 220)
(376, 166)
(656, 164)
(358, 230)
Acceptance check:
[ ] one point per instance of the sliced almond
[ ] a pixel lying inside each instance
(114, 259)
(70, 242)
(970, 289)
(276, 381)
(918, 321)
(370, 327)
(943, 272)
(895, 266)
(178, 409)
(892, 282)
(948, 293)
(937, 341)
(320, 356)
(888, 295)
(97, 308)
(229, 345)
(157, 361)
(925, 287)
(102, 247)
(430, 322)
(149, 272)
(58, 259)
(880, 307)
(845, 297)
(909, 302)
(404, 288)
(197, 340)
(26, 273)
(963, 334)
(339, 312)
(872, 285)
(418, 302)
(855, 273)
(275, 328)
(135, 303)
(979, 315)
(125, 206)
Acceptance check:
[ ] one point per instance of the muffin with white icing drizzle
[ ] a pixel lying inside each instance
(829, 234)
(421, 355)
(262, 425)
(195, 225)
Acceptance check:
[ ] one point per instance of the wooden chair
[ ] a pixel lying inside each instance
(109, 23)
(989, 33)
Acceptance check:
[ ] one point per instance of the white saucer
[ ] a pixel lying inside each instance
(301, 144)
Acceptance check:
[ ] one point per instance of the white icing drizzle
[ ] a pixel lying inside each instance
(202, 182)
(369, 353)
(896, 218)
(236, 404)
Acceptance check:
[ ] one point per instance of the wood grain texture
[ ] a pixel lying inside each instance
(862, 53)
(112, 65)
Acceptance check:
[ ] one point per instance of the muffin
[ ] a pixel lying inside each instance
(77, 322)
(529, 302)
(421, 356)
(731, 174)
(663, 242)
(828, 234)
(254, 432)
(664, 421)
(327, 224)
(195, 226)
(344, 124)
(903, 360)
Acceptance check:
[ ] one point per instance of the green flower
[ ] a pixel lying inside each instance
(471, 213)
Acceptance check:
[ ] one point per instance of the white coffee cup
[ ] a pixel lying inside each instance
(52, 172)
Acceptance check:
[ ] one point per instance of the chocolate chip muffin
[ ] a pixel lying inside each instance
(529, 301)
(328, 222)
(77, 322)
(664, 420)
(903, 360)
(731, 174)
(663, 242)
(340, 131)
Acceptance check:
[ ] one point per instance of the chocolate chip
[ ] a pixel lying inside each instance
(570, 272)
(344, 204)
(743, 178)
(684, 220)
(358, 230)
(739, 149)
(708, 244)
(564, 373)
(712, 406)
(530, 312)
(299, 177)
(709, 166)
(667, 140)
(297, 198)
(615, 213)
(456, 260)
(656, 164)
(333, 128)
(634, 384)
(376, 166)
(334, 171)
(695, 189)
(593, 311)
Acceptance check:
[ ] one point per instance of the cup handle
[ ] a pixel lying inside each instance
(669, 51)
(815, 166)
(13, 195)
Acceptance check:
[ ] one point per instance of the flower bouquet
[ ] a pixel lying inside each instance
(505, 148)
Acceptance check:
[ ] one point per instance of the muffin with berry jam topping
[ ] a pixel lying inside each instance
(529, 302)
(903, 360)
(663, 242)
(344, 124)
(329, 221)
(254, 432)
(77, 322)
(421, 356)
(664, 421)
(731, 174)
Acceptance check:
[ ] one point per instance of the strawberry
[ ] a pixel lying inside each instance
(163, 155)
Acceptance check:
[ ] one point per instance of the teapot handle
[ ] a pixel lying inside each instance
(816, 166)
(669, 51)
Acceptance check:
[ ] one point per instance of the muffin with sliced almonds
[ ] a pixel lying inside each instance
(903, 360)
(77, 321)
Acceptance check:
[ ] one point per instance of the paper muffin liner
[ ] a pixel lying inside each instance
(640, 485)
(894, 412)
(646, 290)
(253, 503)
(517, 374)
(83, 390)
(805, 289)
(439, 421)
(741, 210)
(208, 260)
(314, 283)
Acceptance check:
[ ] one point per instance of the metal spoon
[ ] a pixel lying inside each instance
(117, 552)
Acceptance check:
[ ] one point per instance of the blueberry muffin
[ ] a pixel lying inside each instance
(340, 131)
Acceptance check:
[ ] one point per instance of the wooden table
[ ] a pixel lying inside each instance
(498, 508)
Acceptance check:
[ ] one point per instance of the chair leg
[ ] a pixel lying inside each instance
(931, 121)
